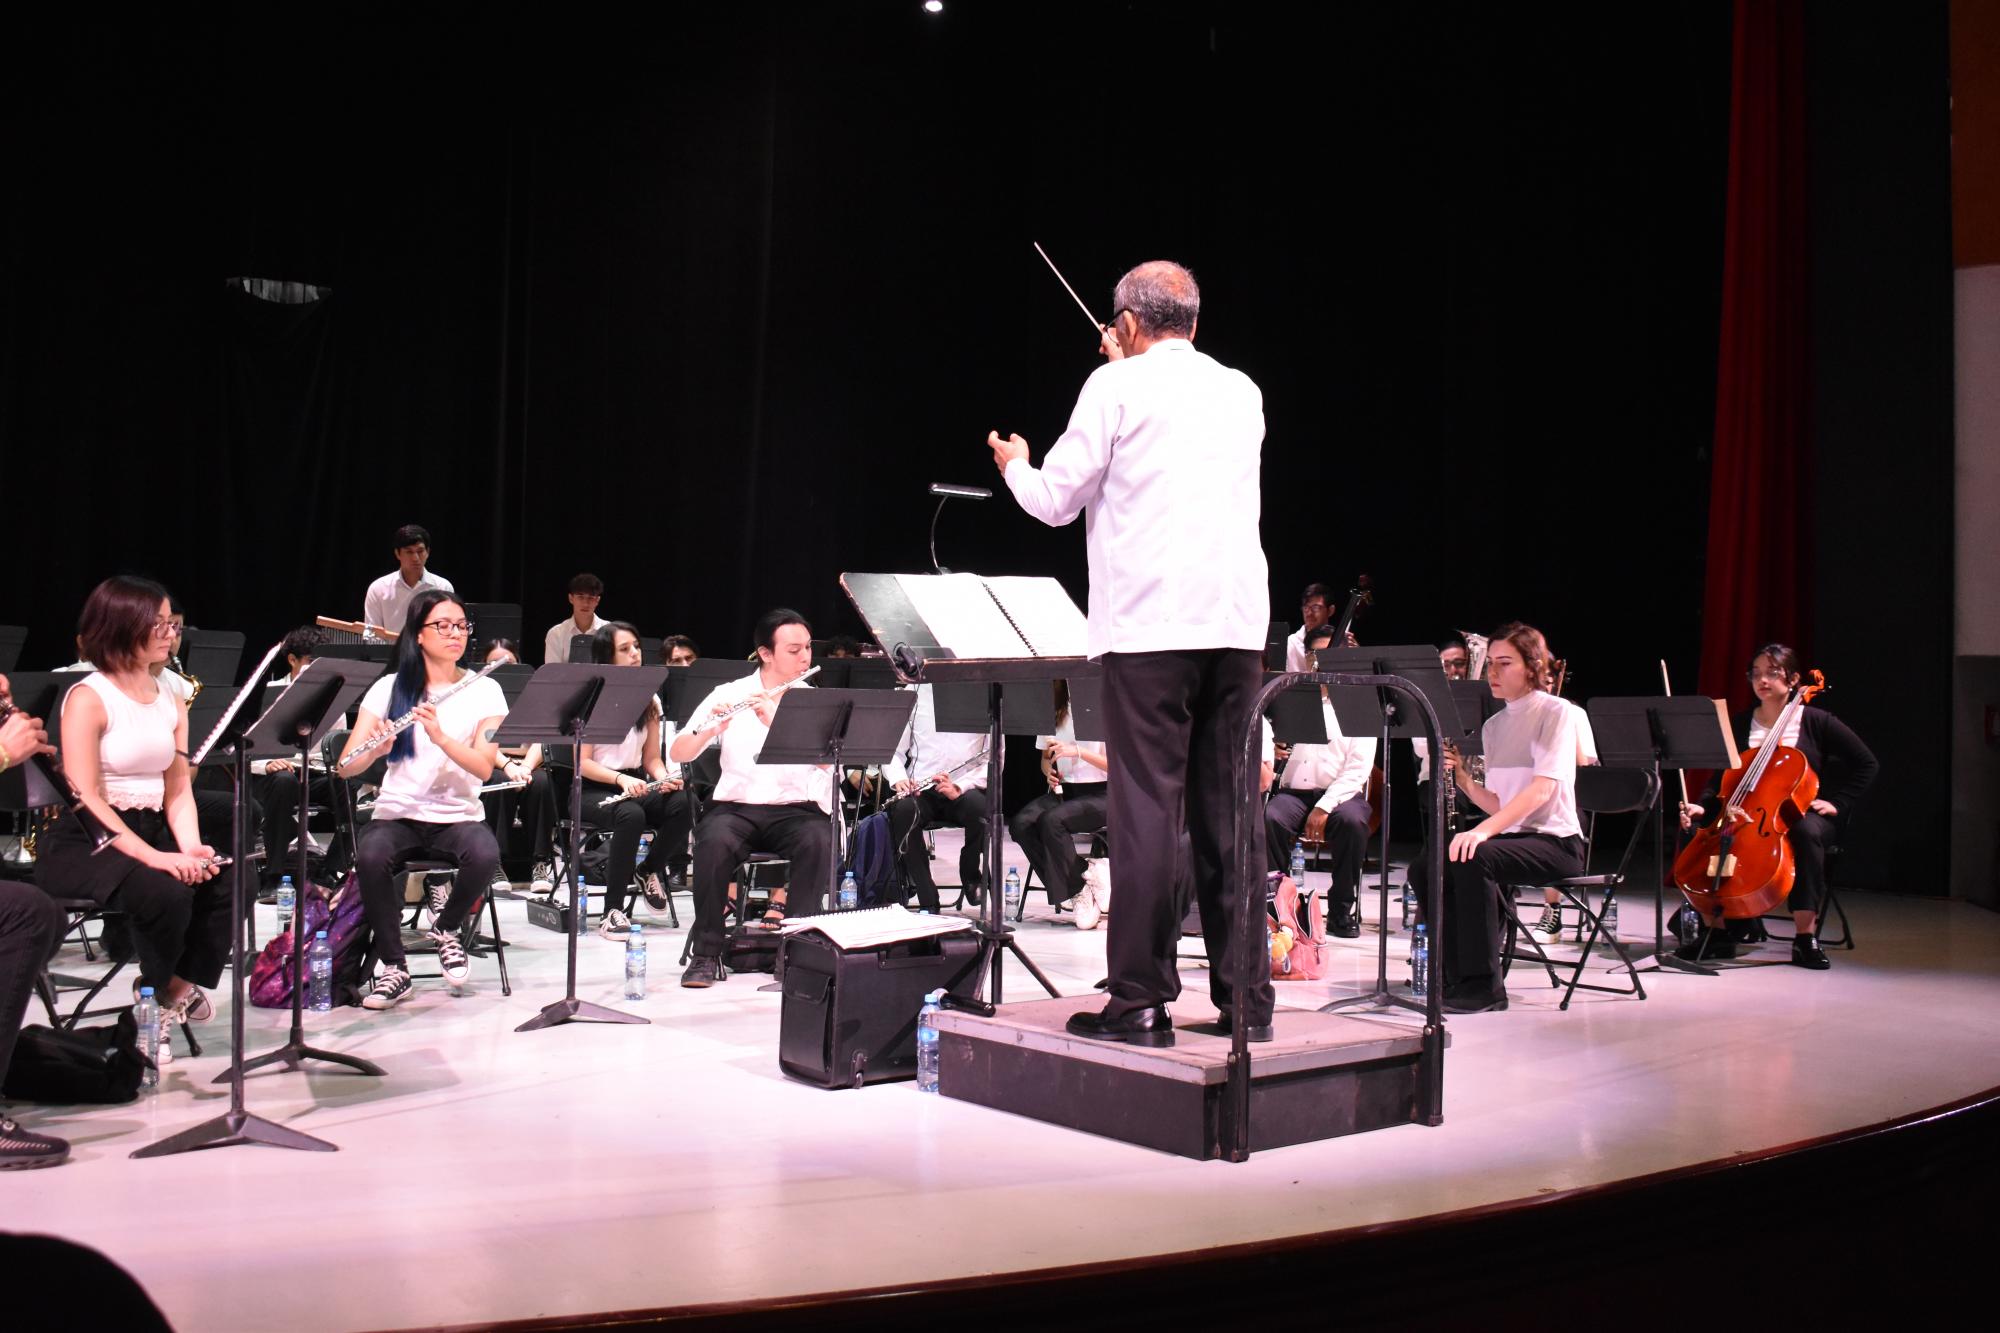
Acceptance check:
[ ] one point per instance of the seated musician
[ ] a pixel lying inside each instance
(428, 804)
(1322, 793)
(680, 650)
(954, 765)
(277, 780)
(779, 809)
(31, 926)
(1846, 768)
(124, 744)
(585, 592)
(642, 788)
(1549, 927)
(534, 802)
(1316, 607)
(1045, 828)
(1531, 833)
(388, 599)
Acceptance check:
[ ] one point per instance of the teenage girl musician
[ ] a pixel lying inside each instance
(647, 792)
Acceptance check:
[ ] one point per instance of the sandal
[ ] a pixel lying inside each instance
(774, 915)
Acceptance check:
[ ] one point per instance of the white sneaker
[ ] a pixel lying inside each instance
(614, 925)
(165, 1055)
(1550, 928)
(1084, 905)
(501, 884)
(542, 877)
(392, 985)
(451, 958)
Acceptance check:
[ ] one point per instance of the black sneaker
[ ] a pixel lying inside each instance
(21, 1150)
(702, 973)
(1550, 928)
(390, 989)
(655, 890)
(451, 957)
(1474, 1000)
(1807, 953)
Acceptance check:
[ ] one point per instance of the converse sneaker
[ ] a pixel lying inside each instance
(451, 957)
(614, 925)
(391, 986)
(165, 1053)
(655, 890)
(437, 892)
(1550, 928)
(195, 1006)
(501, 884)
(21, 1150)
(542, 877)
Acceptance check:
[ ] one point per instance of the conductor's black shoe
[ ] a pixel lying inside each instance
(702, 972)
(1151, 1026)
(1710, 943)
(1347, 922)
(1473, 1000)
(1226, 1020)
(1807, 953)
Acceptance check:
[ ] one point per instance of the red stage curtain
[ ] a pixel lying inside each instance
(1761, 480)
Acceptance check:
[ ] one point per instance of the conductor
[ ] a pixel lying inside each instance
(1161, 457)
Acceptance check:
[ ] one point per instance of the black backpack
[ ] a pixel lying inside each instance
(101, 1064)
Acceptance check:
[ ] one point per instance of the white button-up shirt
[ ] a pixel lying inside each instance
(743, 778)
(1162, 457)
(555, 644)
(388, 600)
(924, 752)
(1339, 769)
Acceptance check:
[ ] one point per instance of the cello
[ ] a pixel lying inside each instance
(1740, 867)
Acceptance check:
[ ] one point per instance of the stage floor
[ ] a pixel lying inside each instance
(494, 1175)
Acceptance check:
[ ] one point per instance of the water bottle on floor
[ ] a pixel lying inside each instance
(1420, 965)
(1012, 901)
(146, 1014)
(582, 912)
(288, 901)
(319, 967)
(1687, 925)
(927, 1042)
(1270, 908)
(635, 963)
(1608, 916)
(1299, 864)
(1409, 906)
(850, 892)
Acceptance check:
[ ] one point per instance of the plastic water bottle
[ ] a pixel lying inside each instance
(1420, 965)
(850, 892)
(1409, 906)
(645, 845)
(1299, 864)
(1688, 924)
(146, 1014)
(1608, 916)
(288, 902)
(927, 1042)
(582, 912)
(1012, 902)
(1270, 909)
(635, 963)
(319, 967)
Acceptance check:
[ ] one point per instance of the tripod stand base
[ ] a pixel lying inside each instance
(990, 945)
(232, 1128)
(293, 1053)
(1374, 999)
(577, 1011)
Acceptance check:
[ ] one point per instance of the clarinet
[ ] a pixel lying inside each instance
(51, 769)
(409, 719)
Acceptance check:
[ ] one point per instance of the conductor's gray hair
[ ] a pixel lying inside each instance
(1162, 296)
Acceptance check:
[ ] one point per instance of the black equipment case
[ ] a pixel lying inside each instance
(850, 1018)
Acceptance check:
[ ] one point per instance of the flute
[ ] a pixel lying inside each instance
(933, 781)
(491, 786)
(409, 719)
(647, 790)
(723, 715)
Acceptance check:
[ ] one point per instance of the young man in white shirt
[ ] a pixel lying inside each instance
(1323, 793)
(957, 762)
(1179, 607)
(776, 808)
(389, 597)
(585, 592)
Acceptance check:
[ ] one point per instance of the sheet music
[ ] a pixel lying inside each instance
(252, 686)
(998, 617)
(875, 926)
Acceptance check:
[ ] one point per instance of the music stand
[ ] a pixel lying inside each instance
(1667, 731)
(236, 1125)
(837, 727)
(570, 703)
(1086, 707)
(296, 721)
(688, 685)
(1362, 699)
(212, 655)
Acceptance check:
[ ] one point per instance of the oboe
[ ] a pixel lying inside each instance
(744, 706)
(409, 719)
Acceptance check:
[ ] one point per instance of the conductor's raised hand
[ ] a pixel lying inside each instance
(1007, 450)
(1108, 344)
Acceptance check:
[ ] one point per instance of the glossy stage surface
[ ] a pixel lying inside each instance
(495, 1175)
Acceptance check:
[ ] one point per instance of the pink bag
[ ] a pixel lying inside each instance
(1296, 938)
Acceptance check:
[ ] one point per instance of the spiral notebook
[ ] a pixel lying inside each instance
(876, 926)
(998, 617)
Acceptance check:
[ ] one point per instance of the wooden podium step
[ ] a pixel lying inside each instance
(1322, 1076)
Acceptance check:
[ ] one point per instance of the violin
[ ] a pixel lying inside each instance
(1741, 866)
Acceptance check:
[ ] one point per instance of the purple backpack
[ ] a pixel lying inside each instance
(346, 927)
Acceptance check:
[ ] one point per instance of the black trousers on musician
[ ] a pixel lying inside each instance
(387, 843)
(1470, 940)
(668, 812)
(1346, 839)
(909, 816)
(1810, 836)
(1175, 722)
(730, 831)
(537, 805)
(1045, 830)
(31, 926)
(278, 793)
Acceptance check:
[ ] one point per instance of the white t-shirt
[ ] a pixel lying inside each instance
(1758, 731)
(430, 786)
(629, 753)
(924, 752)
(1533, 737)
(744, 779)
(1586, 738)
